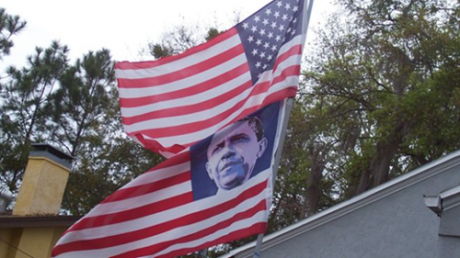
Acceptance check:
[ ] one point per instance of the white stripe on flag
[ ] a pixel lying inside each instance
(184, 83)
(135, 202)
(141, 223)
(158, 174)
(242, 224)
(180, 63)
(189, 100)
(190, 137)
(168, 215)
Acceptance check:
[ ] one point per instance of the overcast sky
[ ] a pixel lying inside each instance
(124, 27)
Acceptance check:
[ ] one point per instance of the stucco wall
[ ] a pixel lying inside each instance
(26, 242)
(42, 188)
(10, 238)
(399, 225)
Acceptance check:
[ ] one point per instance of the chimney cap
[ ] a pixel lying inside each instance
(53, 153)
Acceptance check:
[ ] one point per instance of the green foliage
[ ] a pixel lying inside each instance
(175, 41)
(212, 33)
(387, 76)
(84, 100)
(179, 39)
(26, 94)
(9, 26)
(74, 108)
(380, 96)
(101, 171)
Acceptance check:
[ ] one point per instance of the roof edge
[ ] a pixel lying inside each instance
(397, 184)
(37, 221)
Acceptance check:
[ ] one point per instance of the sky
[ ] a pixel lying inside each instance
(124, 27)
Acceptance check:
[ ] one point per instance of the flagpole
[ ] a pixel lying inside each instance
(289, 103)
(287, 112)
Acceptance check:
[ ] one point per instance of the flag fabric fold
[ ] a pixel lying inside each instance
(160, 214)
(215, 111)
(169, 104)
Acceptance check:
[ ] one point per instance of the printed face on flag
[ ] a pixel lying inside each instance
(235, 154)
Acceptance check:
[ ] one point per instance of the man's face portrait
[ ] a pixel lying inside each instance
(233, 153)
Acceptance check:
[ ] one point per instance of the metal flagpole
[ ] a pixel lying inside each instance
(289, 103)
(287, 112)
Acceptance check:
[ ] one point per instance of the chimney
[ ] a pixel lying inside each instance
(44, 181)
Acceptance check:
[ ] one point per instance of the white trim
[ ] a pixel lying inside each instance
(450, 192)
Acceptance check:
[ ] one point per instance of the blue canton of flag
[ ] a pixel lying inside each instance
(263, 33)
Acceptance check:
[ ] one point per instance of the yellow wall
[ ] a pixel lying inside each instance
(23, 243)
(6, 236)
(10, 238)
(41, 193)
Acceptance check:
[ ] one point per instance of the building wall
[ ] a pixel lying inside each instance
(398, 225)
(10, 238)
(40, 194)
(26, 242)
(6, 236)
(448, 247)
(42, 188)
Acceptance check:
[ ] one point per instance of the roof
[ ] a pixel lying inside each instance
(53, 153)
(420, 174)
(10, 221)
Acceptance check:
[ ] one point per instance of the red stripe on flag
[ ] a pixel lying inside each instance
(149, 64)
(272, 98)
(183, 73)
(200, 125)
(188, 219)
(155, 145)
(294, 50)
(178, 159)
(184, 110)
(132, 192)
(257, 228)
(200, 234)
(190, 91)
(290, 91)
(125, 215)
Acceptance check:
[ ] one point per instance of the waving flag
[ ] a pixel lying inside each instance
(173, 210)
(212, 110)
(169, 104)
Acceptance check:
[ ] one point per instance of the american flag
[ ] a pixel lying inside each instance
(169, 104)
(156, 214)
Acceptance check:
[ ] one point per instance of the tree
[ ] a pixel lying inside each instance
(25, 97)
(106, 166)
(372, 71)
(180, 39)
(74, 108)
(9, 26)
(83, 99)
(379, 97)
(86, 121)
